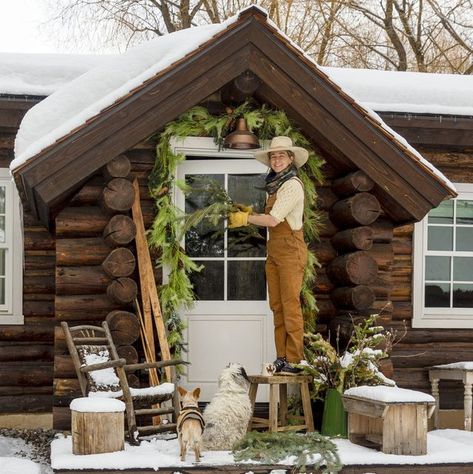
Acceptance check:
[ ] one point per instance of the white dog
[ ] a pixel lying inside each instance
(227, 415)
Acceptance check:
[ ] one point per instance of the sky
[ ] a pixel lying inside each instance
(20, 30)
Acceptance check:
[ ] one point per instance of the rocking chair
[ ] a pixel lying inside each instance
(102, 373)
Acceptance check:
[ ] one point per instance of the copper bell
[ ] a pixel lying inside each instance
(241, 138)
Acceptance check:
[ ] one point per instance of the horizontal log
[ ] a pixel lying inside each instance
(38, 308)
(35, 260)
(38, 284)
(28, 351)
(360, 209)
(122, 290)
(352, 183)
(383, 230)
(117, 196)
(66, 387)
(61, 418)
(37, 238)
(81, 280)
(357, 268)
(457, 160)
(402, 310)
(81, 222)
(402, 246)
(83, 307)
(124, 326)
(120, 230)
(382, 285)
(404, 231)
(386, 367)
(63, 367)
(427, 358)
(357, 238)
(40, 331)
(383, 254)
(34, 403)
(26, 374)
(326, 198)
(324, 251)
(118, 167)
(120, 262)
(82, 251)
(355, 297)
(13, 391)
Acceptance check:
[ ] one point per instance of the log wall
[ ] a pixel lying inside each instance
(421, 348)
(96, 270)
(26, 351)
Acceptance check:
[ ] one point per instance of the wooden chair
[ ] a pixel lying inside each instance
(92, 350)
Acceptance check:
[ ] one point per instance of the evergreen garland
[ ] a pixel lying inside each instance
(167, 229)
(272, 448)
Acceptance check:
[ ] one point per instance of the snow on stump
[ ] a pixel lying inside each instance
(391, 418)
(97, 425)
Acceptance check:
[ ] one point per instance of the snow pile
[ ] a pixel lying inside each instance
(89, 94)
(96, 405)
(10, 460)
(104, 378)
(456, 365)
(163, 389)
(43, 74)
(399, 91)
(388, 394)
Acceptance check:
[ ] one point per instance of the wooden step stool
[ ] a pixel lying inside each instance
(279, 383)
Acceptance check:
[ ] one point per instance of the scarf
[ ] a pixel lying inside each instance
(275, 180)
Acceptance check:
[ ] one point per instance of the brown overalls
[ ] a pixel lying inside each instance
(285, 263)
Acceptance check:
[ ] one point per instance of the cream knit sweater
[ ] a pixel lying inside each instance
(289, 204)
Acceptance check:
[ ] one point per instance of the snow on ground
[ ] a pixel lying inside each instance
(443, 446)
(15, 456)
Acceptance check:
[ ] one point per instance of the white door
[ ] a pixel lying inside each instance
(231, 320)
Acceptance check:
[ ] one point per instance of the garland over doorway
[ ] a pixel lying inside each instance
(167, 229)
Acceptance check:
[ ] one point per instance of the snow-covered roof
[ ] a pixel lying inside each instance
(43, 74)
(87, 95)
(409, 92)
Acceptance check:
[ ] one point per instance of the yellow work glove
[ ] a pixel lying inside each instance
(237, 219)
(244, 208)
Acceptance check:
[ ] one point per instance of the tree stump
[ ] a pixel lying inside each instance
(97, 425)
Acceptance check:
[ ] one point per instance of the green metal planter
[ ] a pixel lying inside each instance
(334, 419)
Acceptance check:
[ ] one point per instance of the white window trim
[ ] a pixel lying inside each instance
(442, 318)
(12, 313)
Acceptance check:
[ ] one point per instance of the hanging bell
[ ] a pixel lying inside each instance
(241, 138)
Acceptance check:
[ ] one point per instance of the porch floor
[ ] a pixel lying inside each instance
(449, 452)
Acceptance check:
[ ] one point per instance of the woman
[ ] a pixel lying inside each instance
(286, 249)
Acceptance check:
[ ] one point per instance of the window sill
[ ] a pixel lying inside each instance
(11, 319)
(446, 321)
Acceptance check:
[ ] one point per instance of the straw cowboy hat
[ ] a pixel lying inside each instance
(283, 144)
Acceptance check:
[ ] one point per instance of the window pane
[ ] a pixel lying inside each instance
(463, 268)
(464, 238)
(464, 212)
(442, 214)
(437, 268)
(246, 242)
(2, 290)
(205, 239)
(437, 295)
(440, 238)
(208, 283)
(463, 296)
(2, 199)
(246, 280)
(2, 229)
(2, 261)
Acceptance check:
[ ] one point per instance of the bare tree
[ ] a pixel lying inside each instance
(420, 35)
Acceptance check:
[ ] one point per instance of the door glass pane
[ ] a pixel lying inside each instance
(247, 189)
(208, 283)
(465, 212)
(2, 261)
(205, 239)
(463, 296)
(437, 295)
(2, 229)
(246, 280)
(440, 238)
(2, 199)
(442, 214)
(2, 290)
(463, 268)
(437, 268)
(464, 239)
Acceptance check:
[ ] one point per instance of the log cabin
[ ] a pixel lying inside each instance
(397, 237)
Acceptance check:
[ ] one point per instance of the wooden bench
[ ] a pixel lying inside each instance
(390, 418)
(278, 417)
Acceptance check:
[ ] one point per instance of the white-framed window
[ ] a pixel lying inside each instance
(443, 264)
(11, 252)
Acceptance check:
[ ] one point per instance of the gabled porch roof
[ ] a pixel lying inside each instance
(351, 135)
